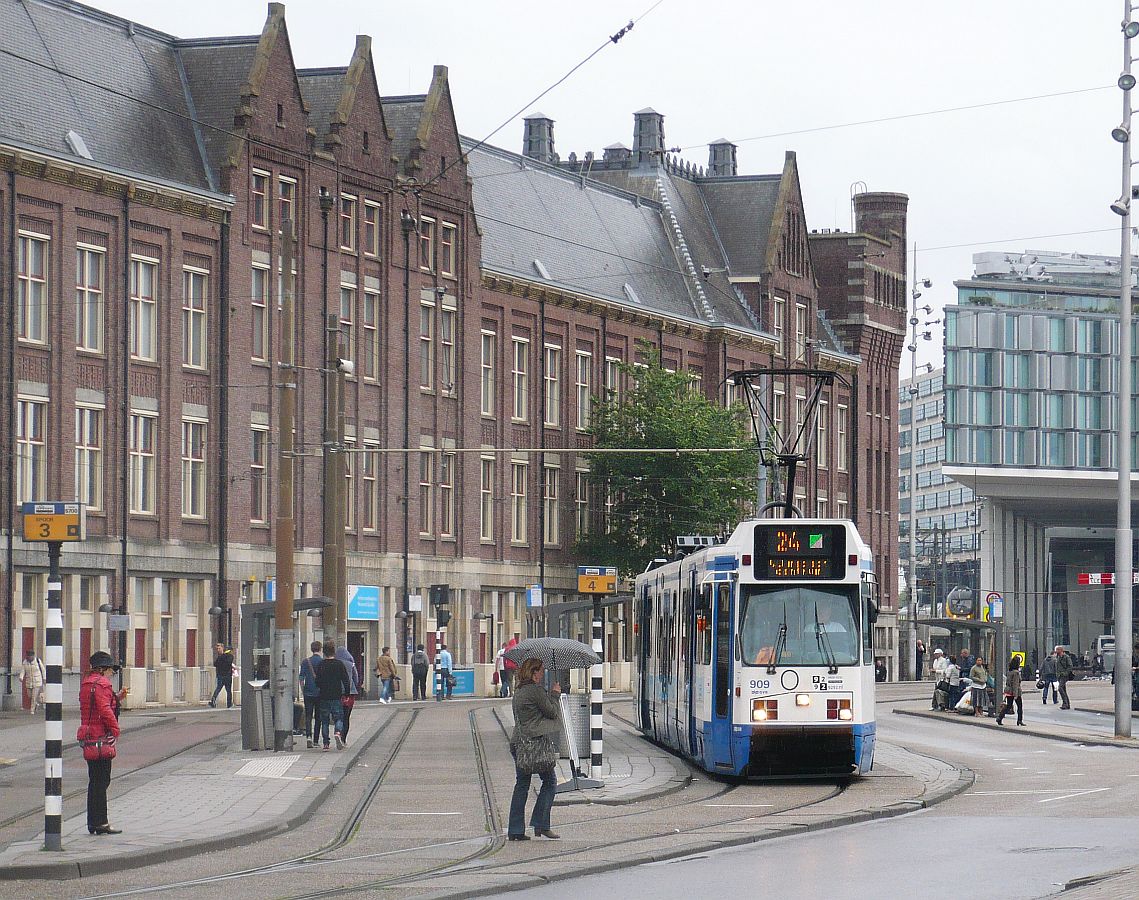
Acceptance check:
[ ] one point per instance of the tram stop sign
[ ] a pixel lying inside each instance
(53, 521)
(596, 580)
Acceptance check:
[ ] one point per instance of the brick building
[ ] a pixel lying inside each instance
(479, 325)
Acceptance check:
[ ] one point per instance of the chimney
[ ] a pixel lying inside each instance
(648, 137)
(882, 215)
(722, 158)
(616, 154)
(538, 142)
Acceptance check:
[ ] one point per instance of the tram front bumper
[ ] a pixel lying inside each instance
(794, 750)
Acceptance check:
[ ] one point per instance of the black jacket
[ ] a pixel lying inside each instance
(332, 679)
(223, 663)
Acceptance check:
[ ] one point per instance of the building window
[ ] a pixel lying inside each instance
(193, 469)
(821, 507)
(427, 244)
(581, 504)
(88, 591)
(486, 382)
(448, 242)
(821, 433)
(553, 385)
(370, 321)
(584, 389)
(447, 495)
(144, 309)
(840, 448)
(140, 594)
(287, 202)
(89, 267)
(370, 499)
(195, 286)
(426, 345)
(258, 482)
(349, 496)
(840, 509)
(347, 318)
(426, 483)
(31, 450)
(550, 499)
(33, 590)
(371, 228)
(259, 199)
(166, 618)
(348, 223)
(448, 374)
(778, 403)
(486, 498)
(31, 289)
(800, 331)
(520, 375)
(778, 308)
(518, 502)
(259, 348)
(613, 378)
(89, 456)
(143, 431)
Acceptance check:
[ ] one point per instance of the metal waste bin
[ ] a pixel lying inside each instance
(261, 736)
(579, 722)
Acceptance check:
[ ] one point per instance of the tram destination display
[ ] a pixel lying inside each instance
(786, 550)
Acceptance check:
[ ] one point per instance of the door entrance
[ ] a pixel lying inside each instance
(358, 646)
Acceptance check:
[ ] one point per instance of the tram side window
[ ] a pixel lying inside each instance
(685, 625)
(704, 631)
(867, 636)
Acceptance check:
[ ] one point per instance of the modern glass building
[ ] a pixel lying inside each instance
(1030, 412)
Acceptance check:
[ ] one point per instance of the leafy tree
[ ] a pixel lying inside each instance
(657, 496)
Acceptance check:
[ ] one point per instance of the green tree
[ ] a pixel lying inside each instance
(656, 496)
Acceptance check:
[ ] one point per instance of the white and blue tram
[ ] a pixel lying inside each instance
(754, 658)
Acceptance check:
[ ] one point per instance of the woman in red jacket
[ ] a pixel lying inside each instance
(98, 731)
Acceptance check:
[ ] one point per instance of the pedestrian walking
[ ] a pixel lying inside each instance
(940, 683)
(880, 672)
(443, 663)
(1048, 678)
(420, 665)
(223, 672)
(386, 672)
(920, 660)
(1063, 674)
(1012, 693)
(348, 702)
(510, 667)
(310, 692)
(334, 683)
(498, 681)
(953, 676)
(979, 690)
(97, 735)
(536, 716)
(32, 677)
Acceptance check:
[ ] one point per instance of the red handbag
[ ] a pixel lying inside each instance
(348, 701)
(101, 747)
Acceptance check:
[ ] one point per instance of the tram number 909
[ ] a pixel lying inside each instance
(819, 682)
(761, 684)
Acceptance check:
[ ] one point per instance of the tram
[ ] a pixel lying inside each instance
(754, 658)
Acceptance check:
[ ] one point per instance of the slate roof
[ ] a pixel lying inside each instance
(127, 101)
(590, 238)
(321, 90)
(402, 115)
(741, 209)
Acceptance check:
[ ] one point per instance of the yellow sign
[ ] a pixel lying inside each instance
(596, 580)
(48, 522)
(1018, 655)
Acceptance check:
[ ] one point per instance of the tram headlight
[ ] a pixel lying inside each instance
(802, 699)
(839, 709)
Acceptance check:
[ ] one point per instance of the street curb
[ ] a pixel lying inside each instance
(299, 810)
(674, 785)
(965, 779)
(1090, 741)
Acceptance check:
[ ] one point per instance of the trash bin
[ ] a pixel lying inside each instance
(261, 736)
(579, 722)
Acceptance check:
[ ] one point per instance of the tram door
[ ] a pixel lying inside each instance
(687, 721)
(644, 633)
(722, 678)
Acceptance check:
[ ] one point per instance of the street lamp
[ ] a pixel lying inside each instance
(1123, 539)
(218, 612)
(478, 617)
(404, 615)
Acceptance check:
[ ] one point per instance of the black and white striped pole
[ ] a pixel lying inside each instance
(595, 692)
(53, 704)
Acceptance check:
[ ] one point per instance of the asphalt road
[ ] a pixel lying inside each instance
(1042, 812)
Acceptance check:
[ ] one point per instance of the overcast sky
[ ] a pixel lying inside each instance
(769, 76)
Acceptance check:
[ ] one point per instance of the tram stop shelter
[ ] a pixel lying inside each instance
(979, 637)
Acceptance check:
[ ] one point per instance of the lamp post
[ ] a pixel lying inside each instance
(1123, 539)
(407, 224)
(404, 615)
(217, 612)
(479, 617)
(910, 669)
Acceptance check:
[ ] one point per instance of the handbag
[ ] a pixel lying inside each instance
(395, 684)
(1040, 682)
(533, 756)
(451, 681)
(494, 678)
(102, 747)
(348, 701)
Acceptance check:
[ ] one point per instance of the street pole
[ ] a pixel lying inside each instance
(286, 416)
(1123, 540)
(53, 704)
(596, 696)
(911, 576)
(330, 561)
(407, 225)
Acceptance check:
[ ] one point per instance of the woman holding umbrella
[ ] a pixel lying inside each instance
(535, 715)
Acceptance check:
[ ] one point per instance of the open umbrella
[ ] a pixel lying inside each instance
(555, 653)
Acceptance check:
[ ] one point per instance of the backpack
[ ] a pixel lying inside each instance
(419, 663)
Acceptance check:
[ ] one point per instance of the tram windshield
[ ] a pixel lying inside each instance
(799, 626)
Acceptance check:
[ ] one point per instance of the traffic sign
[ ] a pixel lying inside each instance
(596, 580)
(534, 596)
(53, 521)
(1093, 578)
(1018, 655)
(994, 605)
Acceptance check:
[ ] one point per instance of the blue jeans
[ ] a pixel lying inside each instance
(540, 817)
(385, 688)
(444, 688)
(329, 710)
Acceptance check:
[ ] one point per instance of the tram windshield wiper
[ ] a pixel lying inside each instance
(780, 644)
(824, 641)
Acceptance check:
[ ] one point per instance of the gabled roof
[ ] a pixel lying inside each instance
(331, 93)
(742, 209)
(127, 99)
(321, 89)
(402, 115)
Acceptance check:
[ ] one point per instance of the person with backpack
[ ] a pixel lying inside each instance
(311, 693)
(420, 663)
